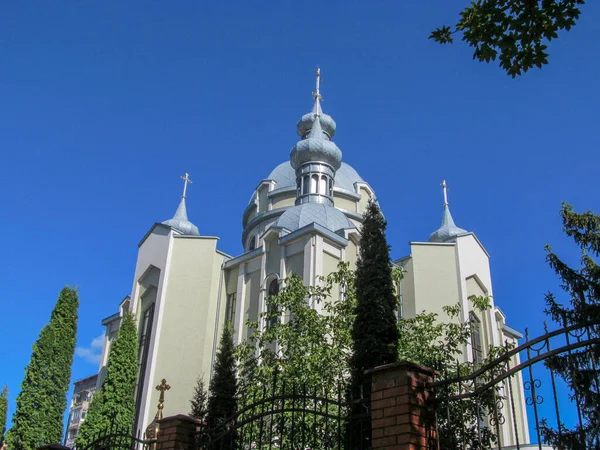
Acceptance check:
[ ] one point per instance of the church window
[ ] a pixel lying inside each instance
(323, 185)
(273, 290)
(252, 244)
(476, 342)
(314, 182)
(331, 187)
(305, 185)
(230, 312)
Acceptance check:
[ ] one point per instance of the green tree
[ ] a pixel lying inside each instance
(114, 402)
(514, 31)
(374, 332)
(303, 346)
(41, 404)
(3, 412)
(198, 401)
(578, 368)
(222, 399)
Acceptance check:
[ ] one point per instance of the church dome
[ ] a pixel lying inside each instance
(448, 230)
(305, 124)
(285, 176)
(316, 147)
(180, 221)
(302, 215)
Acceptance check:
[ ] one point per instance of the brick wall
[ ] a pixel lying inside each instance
(400, 417)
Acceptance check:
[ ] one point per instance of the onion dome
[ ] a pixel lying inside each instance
(180, 222)
(448, 230)
(305, 124)
(302, 215)
(316, 147)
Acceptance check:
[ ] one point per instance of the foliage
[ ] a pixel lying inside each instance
(222, 399)
(38, 419)
(198, 401)
(579, 368)
(3, 412)
(514, 31)
(427, 340)
(302, 350)
(114, 403)
(374, 332)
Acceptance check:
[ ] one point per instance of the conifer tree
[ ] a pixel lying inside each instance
(198, 401)
(114, 402)
(578, 368)
(222, 396)
(41, 404)
(3, 412)
(375, 329)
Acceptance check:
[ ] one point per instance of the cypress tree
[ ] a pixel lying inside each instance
(3, 411)
(578, 368)
(375, 329)
(41, 404)
(222, 397)
(198, 401)
(114, 402)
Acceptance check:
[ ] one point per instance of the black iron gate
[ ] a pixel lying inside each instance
(119, 438)
(294, 416)
(489, 406)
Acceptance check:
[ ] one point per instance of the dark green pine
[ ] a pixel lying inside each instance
(222, 399)
(3, 412)
(41, 404)
(114, 402)
(578, 368)
(375, 330)
(198, 401)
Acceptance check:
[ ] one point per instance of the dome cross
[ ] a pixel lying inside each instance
(317, 93)
(186, 179)
(445, 188)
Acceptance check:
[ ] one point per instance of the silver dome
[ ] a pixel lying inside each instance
(302, 215)
(180, 221)
(448, 230)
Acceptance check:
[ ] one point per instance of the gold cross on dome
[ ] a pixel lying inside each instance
(317, 93)
(445, 188)
(186, 179)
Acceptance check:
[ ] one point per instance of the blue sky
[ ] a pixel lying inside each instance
(103, 105)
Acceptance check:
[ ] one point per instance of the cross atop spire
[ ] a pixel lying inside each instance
(445, 188)
(186, 179)
(317, 94)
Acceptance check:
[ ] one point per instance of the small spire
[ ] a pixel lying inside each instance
(186, 179)
(317, 94)
(448, 230)
(180, 219)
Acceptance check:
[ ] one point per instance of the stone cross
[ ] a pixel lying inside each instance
(186, 180)
(445, 188)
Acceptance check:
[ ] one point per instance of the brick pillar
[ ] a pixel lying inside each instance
(177, 433)
(401, 419)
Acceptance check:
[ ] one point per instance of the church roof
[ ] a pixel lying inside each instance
(448, 230)
(316, 146)
(180, 221)
(301, 215)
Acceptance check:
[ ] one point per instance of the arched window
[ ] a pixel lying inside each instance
(331, 187)
(305, 184)
(323, 185)
(273, 290)
(314, 184)
(252, 244)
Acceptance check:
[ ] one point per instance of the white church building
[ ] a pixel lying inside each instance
(303, 218)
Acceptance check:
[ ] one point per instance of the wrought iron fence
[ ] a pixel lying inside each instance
(117, 437)
(294, 416)
(490, 406)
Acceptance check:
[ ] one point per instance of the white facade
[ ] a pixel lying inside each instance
(304, 218)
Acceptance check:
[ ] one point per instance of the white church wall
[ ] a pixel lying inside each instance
(435, 277)
(189, 315)
(407, 290)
